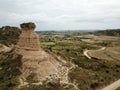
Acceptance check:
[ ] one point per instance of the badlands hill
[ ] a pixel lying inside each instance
(58, 61)
(36, 67)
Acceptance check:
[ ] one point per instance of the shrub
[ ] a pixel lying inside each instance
(10, 70)
(94, 85)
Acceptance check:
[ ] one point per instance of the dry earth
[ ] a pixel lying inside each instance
(44, 67)
(113, 86)
(109, 53)
(105, 53)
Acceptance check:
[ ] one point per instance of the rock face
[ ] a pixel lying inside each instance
(28, 38)
(37, 62)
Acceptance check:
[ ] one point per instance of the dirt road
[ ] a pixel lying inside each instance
(113, 86)
(87, 55)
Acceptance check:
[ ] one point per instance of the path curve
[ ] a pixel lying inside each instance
(88, 56)
(113, 86)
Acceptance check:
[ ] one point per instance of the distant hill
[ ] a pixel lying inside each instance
(63, 32)
(109, 32)
(9, 35)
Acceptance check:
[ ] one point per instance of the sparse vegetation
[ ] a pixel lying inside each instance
(9, 35)
(9, 72)
(44, 87)
(30, 78)
(10, 62)
(109, 32)
(90, 74)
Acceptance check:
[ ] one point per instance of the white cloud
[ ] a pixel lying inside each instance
(61, 14)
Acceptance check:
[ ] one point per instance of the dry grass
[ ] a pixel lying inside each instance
(110, 53)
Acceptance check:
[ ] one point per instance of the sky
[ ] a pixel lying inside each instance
(61, 14)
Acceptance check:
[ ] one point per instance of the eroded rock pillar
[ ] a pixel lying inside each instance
(28, 38)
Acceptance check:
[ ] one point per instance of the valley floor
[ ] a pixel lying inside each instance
(87, 62)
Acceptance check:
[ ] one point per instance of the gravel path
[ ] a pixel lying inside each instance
(113, 86)
(86, 52)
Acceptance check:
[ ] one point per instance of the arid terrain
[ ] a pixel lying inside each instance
(85, 61)
(94, 72)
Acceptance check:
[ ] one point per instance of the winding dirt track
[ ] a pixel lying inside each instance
(113, 86)
(88, 56)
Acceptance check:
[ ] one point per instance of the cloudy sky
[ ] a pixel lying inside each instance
(61, 14)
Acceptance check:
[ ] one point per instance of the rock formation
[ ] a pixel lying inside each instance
(28, 38)
(36, 62)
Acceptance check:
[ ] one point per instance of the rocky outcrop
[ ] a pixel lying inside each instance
(28, 39)
(37, 65)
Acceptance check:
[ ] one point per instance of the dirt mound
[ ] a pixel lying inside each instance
(39, 66)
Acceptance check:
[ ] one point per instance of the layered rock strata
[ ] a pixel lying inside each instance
(36, 62)
(28, 38)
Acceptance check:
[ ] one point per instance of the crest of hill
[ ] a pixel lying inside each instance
(109, 32)
(9, 35)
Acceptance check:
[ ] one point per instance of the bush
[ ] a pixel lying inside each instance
(94, 85)
(10, 70)
(9, 35)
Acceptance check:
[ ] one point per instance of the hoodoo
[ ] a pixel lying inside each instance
(35, 61)
(28, 38)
